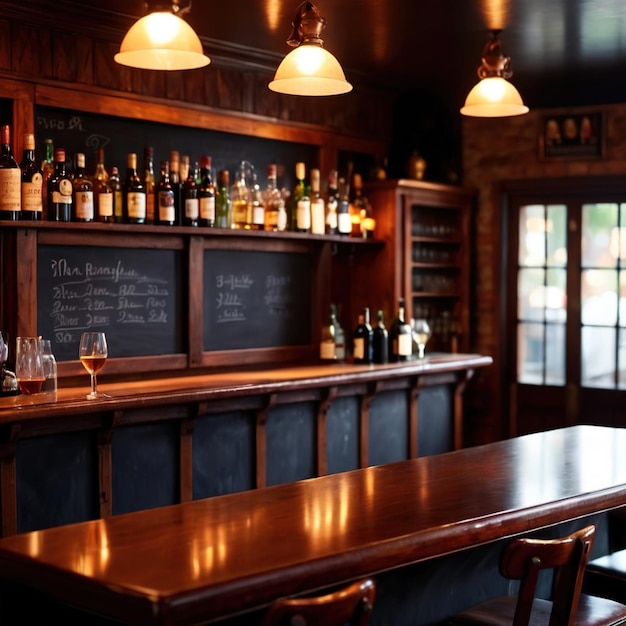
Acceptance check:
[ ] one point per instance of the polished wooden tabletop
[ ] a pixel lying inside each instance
(215, 557)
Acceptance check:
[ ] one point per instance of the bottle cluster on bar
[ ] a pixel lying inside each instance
(177, 192)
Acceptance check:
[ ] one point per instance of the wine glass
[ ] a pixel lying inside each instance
(29, 364)
(421, 333)
(93, 356)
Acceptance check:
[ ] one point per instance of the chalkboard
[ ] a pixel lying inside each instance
(78, 131)
(256, 299)
(133, 295)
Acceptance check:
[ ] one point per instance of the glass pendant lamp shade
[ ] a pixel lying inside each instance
(162, 41)
(494, 97)
(310, 70)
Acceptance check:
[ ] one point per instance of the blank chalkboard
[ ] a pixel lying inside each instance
(132, 294)
(256, 299)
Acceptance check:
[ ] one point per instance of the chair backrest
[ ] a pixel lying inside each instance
(522, 559)
(350, 605)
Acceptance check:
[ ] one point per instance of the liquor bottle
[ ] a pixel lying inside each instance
(191, 197)
(303, 214)
(118, 194)
(318, 207)
(273, 201)
(328, 341)
(176, 180)
(166, 215)
(257, 205)
(206, 193)
(60, 190)
(344, 225)
(400, 337)
(10, 178)
(32, 182)
(223, 209)
(103, 192)
(362, 344)
(134, 193)
(149, 180)
(298, 193)
(185, 166)
(380, 340)
(240, 199)
(332, 201)
(47, 169)
(83, 192)
(340, 338)
(357, 206)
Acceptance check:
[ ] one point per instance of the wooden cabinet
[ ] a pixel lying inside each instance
(426, 230)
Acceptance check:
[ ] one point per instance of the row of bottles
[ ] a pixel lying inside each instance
(373, 344)
(175, 193)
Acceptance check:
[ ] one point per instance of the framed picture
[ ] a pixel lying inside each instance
(572, 136)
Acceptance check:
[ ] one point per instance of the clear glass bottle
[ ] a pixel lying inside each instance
(166, 215)
(103, 192)
(83, 192)
(240, 198)
(32, 181)
(60, 190)
(318, 206)
(118, 194)
(134, 193)
(206, 193)
(149, 181)
(328, 338)
(49, 367)
(223, 211)
(257, 204)
(10, 178)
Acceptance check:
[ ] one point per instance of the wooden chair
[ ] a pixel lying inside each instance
(522, 560)
(350, 605)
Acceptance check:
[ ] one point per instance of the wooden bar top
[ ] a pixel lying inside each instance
(158, 390)
(212, 558)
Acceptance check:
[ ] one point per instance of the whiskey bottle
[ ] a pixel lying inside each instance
(83, 192)
(118, 194)
(166, 215)
(328, 342)
(150, 183)
(134, 193)
(103, 192)
(60, 190)
(32, 182)
(206, 194)
(318, 208)
(272, 199)
(10, 178)
(256, 205)
(240, 199)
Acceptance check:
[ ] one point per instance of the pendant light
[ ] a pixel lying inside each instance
(309, 69)
(494, 95)
(162, 40)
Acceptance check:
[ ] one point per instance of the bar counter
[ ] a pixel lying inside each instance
(218, 557)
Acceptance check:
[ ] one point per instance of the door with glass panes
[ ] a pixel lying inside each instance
(566, 305)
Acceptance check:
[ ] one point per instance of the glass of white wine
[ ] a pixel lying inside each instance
(93, 355)
(421, 333)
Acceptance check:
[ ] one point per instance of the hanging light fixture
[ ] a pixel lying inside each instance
(309, 70)
(162, 40)
(494, 95)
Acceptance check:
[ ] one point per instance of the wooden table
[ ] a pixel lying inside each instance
(212, 558)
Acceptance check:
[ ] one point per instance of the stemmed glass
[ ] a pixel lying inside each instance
(29, 364)
(93, 355)
(421, 332)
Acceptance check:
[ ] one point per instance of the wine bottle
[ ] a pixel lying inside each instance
(257, 205)
(60, 190)
(191, 197)
(357, 206)
(380, 340)
(206, 194)
(10, 178)
(118, 194)
(301, 202)
(134, 193)
(344, 225)
(400, 337)
(362, 344)
(240, 199)
(32, 182)
(328, 338)
(103, 192)
(47, 169)
(83, 192)
(149, 181)
(166, 215)
(176, 181)
(332, 202)
(318, 208)
(223, 210)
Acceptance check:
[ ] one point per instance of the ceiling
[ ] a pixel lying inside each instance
(563, 52)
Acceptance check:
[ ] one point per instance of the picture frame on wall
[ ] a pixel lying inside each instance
(572, 136)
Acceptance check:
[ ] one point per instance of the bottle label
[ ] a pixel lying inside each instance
(32, 200)
(10, 189)
(327, 350)
(303, 215)
(405, 345)
(167, 210)
(359, 348)
(344, 224)
(136, 205)
(281, 223)
(84, 205)
(105, 204)
(60, 198)
(207, 208)
(258, 215)
(318, 227)
(192, 208)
